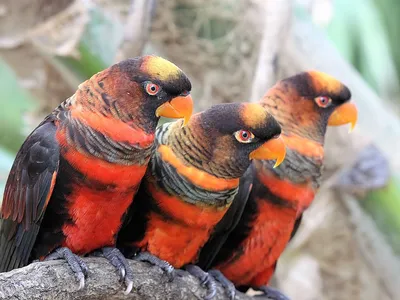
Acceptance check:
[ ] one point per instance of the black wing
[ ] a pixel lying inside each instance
(27, 193)
(296, 226)
(228, 222)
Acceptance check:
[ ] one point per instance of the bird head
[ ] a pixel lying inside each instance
(305, 104)
(223, 139)
(142, 89)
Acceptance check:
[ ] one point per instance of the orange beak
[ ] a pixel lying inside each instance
(273, 149)
(344, 114)
(178, 107)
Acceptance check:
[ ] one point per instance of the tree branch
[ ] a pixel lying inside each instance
(54, 280)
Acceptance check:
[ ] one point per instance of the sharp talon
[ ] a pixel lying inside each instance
(170, 272)
(75, 263)
(81, 283)
(272, 293)
(128, 280)
(118, 260)
(170, 269)
(129, 287)
(228, 286)
(84, 268)
(122, 273)
(212, 293)
(205, 279)
(154, 260)
(212, 290)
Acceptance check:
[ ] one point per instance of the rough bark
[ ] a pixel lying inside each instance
(54, 280)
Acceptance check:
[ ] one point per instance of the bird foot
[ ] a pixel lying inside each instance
(118, 260)
(74, 261)
(181, 273)
(228, 286)
(154, 260)
(205, 279)
(271, 293)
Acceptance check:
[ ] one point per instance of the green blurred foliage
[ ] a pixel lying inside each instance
(6, 160)
(359, 32)
(389, 13)
(15, 103)
(384, 206)
(97, 47)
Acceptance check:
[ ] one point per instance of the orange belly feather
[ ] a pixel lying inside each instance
(301, 195)
(270, 232)
(96, 218)
(97, 213)
(269, 235)
(178, 239)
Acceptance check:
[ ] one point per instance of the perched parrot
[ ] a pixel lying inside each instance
(247, 251)
(191, 181)
(77, 173)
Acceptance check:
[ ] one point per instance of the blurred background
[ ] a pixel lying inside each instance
(348, 246)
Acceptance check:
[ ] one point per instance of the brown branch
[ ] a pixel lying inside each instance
(54, 280)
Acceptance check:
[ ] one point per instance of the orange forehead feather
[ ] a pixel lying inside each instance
(254, 115)
(160, 68)
(324, 82)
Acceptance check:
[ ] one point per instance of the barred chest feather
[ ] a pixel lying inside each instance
(190, 184)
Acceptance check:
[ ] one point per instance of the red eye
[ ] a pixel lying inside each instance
(323, 101)
(244, 136)
(152, 89)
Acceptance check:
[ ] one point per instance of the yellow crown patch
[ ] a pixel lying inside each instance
(323, 81)
(253, 114)
(160, 68)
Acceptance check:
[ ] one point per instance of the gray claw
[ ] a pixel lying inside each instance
(272, 293)
(76, 263)
(228, 286)
(81, 281)
(154, 260)
(205, 279)
(129, 286)
(122, 273)
(118, 260)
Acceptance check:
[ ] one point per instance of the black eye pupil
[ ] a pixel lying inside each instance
(245, 135)
(323, 100)
(153, 88)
